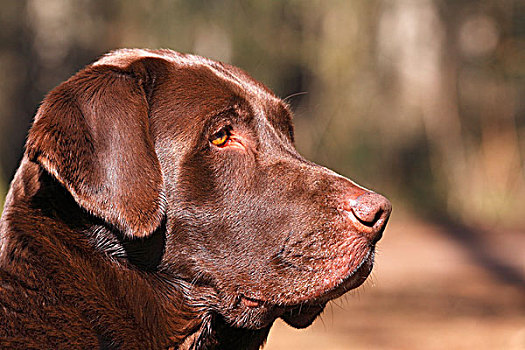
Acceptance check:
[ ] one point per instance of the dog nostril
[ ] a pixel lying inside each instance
(371, 210)
(367, 215)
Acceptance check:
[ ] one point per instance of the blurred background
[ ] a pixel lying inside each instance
(421, 100)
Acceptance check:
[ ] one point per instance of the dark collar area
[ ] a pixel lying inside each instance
(142, 253)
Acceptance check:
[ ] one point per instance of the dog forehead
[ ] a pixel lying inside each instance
(225, 83)
(124, 57)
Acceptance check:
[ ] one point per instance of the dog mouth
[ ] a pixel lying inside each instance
(302, 312)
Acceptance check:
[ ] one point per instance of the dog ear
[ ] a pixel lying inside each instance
(92, 134)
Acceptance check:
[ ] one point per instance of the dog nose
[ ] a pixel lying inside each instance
(372, 211)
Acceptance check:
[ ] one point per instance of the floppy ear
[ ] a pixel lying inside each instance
(92, 134)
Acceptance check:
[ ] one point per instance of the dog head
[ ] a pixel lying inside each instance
(148, 138)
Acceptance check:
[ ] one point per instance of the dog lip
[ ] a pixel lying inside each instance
(303, 314)
(250, 302)
(353, 279)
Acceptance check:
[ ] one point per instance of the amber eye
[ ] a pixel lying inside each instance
(220, 138)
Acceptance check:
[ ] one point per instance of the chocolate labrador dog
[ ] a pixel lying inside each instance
(161, 204)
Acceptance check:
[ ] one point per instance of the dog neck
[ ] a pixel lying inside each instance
(169, 311)
(214, 333)
(46, 246)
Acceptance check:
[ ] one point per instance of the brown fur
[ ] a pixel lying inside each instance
(126, 228)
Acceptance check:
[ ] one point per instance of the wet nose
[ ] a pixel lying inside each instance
(372, 211)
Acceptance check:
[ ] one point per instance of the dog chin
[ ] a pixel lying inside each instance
(256, 314)
(263, 316)
(302, 317)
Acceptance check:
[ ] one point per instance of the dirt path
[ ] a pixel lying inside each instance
(432, 288)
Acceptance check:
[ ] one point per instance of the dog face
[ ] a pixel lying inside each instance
(145, 137)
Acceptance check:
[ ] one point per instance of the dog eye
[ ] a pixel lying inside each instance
(220, 138)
